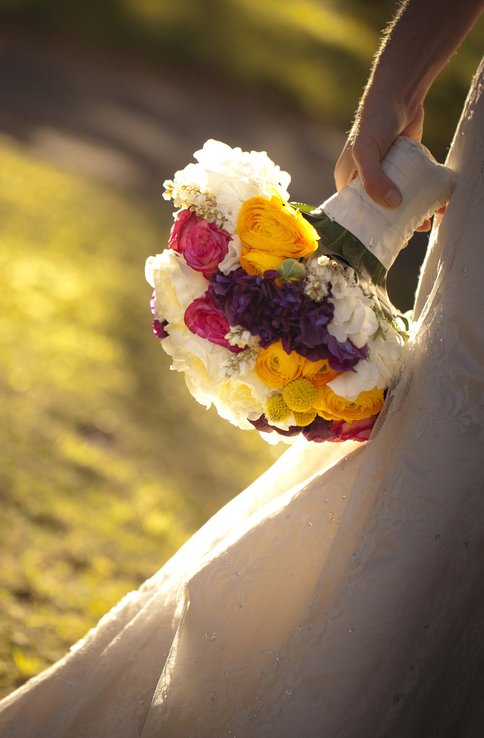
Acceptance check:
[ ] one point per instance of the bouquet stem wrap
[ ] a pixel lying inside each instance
(425, 185)
(366, 235)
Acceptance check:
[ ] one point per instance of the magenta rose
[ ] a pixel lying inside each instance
(358, 430)
(204, 245)
(205, 319)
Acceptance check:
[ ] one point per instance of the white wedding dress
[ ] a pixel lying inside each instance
(341, 595)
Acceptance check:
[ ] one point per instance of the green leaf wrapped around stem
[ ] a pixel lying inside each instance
(341, 245)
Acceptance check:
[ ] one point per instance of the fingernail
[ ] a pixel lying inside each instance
(392, 197)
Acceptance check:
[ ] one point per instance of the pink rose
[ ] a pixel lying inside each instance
(204, 245)
(358, 430)
(204, 318)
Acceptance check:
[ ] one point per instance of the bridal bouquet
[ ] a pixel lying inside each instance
(277, 313)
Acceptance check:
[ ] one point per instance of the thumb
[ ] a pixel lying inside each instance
(376, 183)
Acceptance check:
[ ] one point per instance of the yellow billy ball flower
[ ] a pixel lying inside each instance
(276, 367)
(271, 231)
(334, 407)
(300, 395)
(276, 409)
(304, 419)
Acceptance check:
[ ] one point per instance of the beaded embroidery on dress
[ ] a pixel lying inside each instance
(346, 601)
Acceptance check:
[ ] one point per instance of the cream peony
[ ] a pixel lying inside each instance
(195, 355)
(176, 284)
(236, 401)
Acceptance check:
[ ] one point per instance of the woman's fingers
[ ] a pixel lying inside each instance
(427, 223)
(345, 169)
(425, 226)
(379, 187)
(365, 160)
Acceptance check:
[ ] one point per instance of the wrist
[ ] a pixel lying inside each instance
(392, 105)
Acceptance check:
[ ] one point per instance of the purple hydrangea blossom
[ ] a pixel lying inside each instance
(277, 311)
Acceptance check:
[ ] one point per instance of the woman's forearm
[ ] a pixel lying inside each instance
(415, 47)
(418, 43)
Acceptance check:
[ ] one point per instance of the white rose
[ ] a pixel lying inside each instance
(176, 284)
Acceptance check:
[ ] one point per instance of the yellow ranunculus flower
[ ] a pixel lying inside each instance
(331, 406)
(258, 262)
(277, 368)
(319, 372)
(272, 227)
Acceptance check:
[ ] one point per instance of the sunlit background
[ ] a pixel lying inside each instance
(106, 463)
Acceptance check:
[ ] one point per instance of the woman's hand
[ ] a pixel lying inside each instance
(409, 59)
(378, 123)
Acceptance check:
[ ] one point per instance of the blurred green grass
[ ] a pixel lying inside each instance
(107, 464)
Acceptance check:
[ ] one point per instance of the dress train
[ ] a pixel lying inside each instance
(340, 596)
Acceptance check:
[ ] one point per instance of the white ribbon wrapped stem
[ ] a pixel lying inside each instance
(425, 185)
